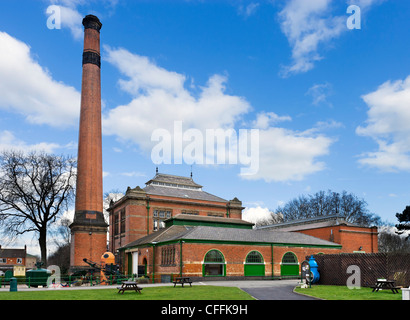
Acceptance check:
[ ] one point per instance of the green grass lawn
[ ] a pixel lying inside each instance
(149, 293)
(344, 293)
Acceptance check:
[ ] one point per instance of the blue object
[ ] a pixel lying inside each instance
(314, 270)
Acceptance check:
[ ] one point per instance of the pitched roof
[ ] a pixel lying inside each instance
(190, 219)
(173, 180)
(218, 234)
(311, 223)
(12, 253)
(181, 193)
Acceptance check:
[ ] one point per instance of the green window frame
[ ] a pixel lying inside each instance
(214, 264)
(254, 257)
(290, 258)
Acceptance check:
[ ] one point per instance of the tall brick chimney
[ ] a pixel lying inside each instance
(89, 230)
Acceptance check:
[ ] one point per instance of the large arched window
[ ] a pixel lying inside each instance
(289, 258)
(214, 264)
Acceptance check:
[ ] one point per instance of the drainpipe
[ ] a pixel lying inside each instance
(180, 258)
(271, 246)
(153, 261)
(148, 207)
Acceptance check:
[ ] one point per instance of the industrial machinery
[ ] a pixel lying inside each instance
(109, 271)
(314, 270)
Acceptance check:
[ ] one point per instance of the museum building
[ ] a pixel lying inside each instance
(172, 227)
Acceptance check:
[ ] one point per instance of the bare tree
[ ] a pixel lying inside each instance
(321, 204)
(404, 226)
(35, 189)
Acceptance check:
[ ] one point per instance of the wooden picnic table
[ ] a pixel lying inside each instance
(182, 281)
(385, 284)
(129, 286)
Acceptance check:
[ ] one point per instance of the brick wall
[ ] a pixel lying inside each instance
(193, 255)
(351, 238)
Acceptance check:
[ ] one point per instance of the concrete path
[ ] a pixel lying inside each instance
(265, 289)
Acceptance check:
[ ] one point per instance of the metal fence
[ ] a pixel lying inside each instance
(333, 269)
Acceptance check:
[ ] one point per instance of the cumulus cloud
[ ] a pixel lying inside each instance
(286, 155)
(308, 24)
(255, 214)
(29, 89)
(8, 141)
(311, 25)
(70, 16)
(160, 98)
(388, 125)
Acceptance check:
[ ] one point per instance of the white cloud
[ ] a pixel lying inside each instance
(388, 125)
(308, 24)
(71, 18)
(255, 214)
(248, 10)
(133, 174)
(9, 142)
(266, 119)
(159, 98)
(320, 93)
(286, 155)
(29, 89)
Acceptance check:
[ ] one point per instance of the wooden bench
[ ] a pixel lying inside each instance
(386, 285)
(182, 281)
(129, 286)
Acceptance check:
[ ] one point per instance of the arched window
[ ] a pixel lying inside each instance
(214, 256)
(254, 265)
(289, 258)
(254, 257)
(214, 264)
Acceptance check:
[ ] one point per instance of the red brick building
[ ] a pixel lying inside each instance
(204, 247)
(144, 211)
(173, 227)
(12, 257)
(352, 237)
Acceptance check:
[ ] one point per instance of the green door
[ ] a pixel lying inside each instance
(254, 265)
(290, 265)
(254, 270)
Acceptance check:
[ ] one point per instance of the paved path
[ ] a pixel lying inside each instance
(265, 289)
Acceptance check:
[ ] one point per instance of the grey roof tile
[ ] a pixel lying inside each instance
(182, 193)
(230, 234)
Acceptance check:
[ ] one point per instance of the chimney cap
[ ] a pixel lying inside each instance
(92, 22)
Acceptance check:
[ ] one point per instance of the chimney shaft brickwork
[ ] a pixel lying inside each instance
(89, 230)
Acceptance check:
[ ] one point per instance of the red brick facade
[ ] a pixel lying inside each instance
(138, 213)
(193, 255)
(352, 238)
(89, 230)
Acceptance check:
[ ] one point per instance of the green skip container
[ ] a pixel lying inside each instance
(36, 278)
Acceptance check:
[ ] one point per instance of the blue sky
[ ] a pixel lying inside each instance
(332, 104)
